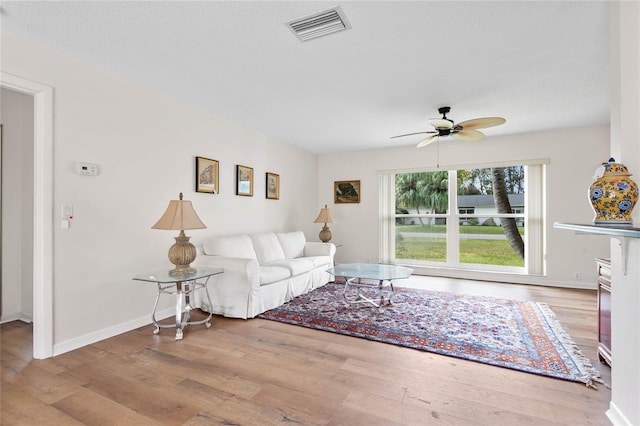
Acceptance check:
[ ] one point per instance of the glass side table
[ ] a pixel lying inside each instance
(183, 286)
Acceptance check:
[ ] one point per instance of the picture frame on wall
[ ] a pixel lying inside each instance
(207, 172)
(273, 186)
(244, 181)
(346, 191)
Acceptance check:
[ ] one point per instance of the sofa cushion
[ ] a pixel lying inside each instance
(295, 266)
(292, 244)
(230, 246)
(267, 247)
(270, 274)
(318, 260)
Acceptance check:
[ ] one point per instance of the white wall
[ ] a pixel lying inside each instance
(573, 156)
(145, 145)
(625, 146)
(16, 115)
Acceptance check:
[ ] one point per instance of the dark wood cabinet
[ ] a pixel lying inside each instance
(604, 309)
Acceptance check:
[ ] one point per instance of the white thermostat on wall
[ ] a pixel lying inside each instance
(87, 169)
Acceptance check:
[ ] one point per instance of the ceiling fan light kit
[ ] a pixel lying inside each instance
(464, 131)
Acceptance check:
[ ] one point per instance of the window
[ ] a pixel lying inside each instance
(481, 219)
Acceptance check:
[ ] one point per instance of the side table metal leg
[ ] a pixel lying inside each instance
(208, 321)
(188, 290)
(153, 314)
(179, 303)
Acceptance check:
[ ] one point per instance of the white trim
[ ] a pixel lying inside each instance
(499, 277)
(534, 263)
(616, 416)
(17, 317)
(386, 210)
(43, 210)
(535, 217)
(106, 333)
(452, 237)
(509, 163)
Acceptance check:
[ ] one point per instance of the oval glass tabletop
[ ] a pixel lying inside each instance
(373, 271)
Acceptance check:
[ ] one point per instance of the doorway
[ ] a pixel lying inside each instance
(16, 203)
(42, 264)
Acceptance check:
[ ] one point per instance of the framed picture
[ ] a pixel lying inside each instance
(346, 191)
(244, 181)
(273, 186)
(207, 175)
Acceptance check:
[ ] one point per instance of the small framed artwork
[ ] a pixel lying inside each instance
(273, 186)
(346, 191)
(206, 175)
(244, 181)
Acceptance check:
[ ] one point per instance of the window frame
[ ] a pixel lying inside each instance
(534, 238)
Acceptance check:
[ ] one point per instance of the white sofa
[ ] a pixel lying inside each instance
(262, 271)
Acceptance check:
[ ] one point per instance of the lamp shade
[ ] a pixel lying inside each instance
(179, 215)
(325, 216)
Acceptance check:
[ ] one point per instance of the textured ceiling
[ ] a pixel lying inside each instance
(541, 65)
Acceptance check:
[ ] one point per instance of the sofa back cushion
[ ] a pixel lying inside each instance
(230, 246)
(292, 244)
(267, 247)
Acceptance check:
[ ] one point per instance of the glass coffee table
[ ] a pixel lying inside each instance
(354, 273)
(183, 286)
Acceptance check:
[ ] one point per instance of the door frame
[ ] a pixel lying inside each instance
(43, 209)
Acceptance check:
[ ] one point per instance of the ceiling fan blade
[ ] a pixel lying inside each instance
(481, 123)
(427, 141)
(440, 123)
(468, 135)
(411, 134)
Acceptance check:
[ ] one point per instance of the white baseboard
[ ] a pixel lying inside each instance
(87, 339)
(500, 277)
(17, 317)
(616, 416)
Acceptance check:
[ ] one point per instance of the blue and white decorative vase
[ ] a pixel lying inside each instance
(613, 194)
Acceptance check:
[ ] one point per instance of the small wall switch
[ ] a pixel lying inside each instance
(66, 212)
(87, 169)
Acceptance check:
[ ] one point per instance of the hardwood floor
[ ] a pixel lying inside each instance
(259, 372)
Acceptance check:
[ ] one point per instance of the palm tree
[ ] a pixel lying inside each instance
(435, 189)
(501, 199)
(426, 189)
(408, 191)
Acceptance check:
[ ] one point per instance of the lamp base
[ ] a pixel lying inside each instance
(181, 254)
(325, 234)
(180, 270)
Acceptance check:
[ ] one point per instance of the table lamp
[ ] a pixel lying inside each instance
(325, 217)
(180, 216)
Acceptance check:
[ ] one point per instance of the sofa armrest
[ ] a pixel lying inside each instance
(231, 290)
(313, 248)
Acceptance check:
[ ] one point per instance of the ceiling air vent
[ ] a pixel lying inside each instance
(320, 24)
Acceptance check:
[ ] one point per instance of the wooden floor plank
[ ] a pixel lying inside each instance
(20, 408)
(90, 408)
(260, 372)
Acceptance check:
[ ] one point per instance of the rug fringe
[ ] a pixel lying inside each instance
(589, 373)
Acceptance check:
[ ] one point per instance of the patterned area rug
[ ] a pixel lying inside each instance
(523, 336)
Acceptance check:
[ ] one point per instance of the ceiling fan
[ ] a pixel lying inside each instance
(465, 131)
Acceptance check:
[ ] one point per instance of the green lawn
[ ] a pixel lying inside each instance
(485, 252)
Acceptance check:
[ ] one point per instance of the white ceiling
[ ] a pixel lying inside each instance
(541, 65)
